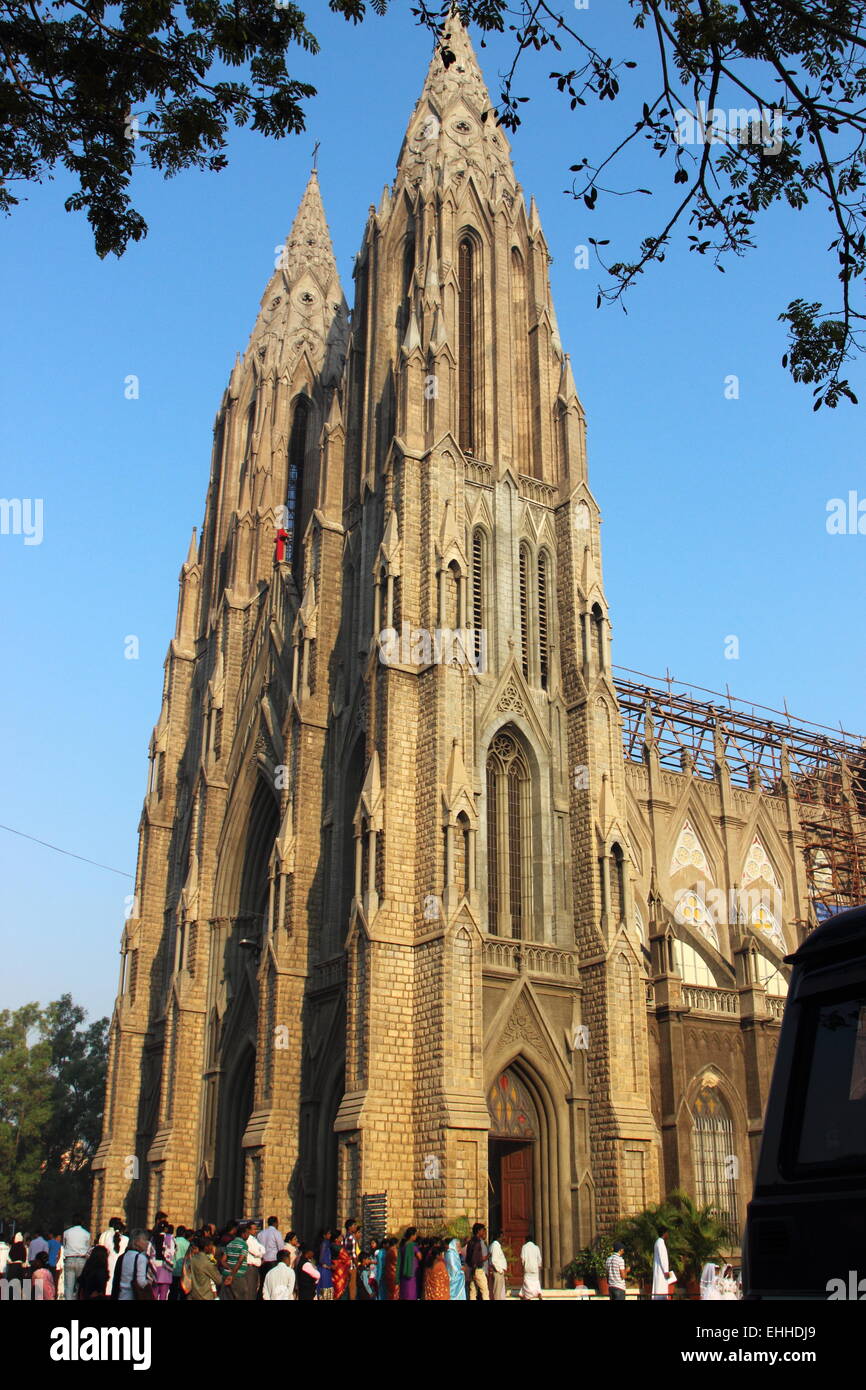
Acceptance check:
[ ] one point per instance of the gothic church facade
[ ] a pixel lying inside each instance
(408, 925)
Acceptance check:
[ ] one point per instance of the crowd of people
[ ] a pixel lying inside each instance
(244, 1261)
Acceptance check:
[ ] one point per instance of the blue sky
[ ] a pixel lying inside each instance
(714, 509)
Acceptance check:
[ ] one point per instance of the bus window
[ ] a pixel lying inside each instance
(832, 1131)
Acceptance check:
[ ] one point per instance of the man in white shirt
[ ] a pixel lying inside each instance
(76, 1247)
(530, 1258)
(134, 1272)
(499, 1265)
(38, 1246)
(272, 1243)
(280, 1281)
(662, 1278)
(254, 1260)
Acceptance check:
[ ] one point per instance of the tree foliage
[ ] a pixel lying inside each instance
(741, 108)
(745, 106)
(695, 1236)
(52, 1082)
(99, 87)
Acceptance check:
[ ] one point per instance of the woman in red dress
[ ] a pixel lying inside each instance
(392, 1283)
(437, 1285)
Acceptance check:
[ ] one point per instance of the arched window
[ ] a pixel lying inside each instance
(692, 911)
(520, 384)
(406, 296)
(477, 599)
(451, 616)
(691, 966)
(509, 857)
(461, 854)
(251, 424)
(466, 343)
(773, 980)
(598, 636)
(617, 883)
(295, 486)
(713, 1154)
(524, 610)
(247, 457)
(543, 620)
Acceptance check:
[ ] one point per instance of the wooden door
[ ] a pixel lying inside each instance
(516, 1187)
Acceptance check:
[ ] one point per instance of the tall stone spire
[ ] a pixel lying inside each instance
(303, 305)
(446, 132)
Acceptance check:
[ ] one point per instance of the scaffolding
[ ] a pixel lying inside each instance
(824, 769)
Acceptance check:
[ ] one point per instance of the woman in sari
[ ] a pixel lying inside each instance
(389, 1274)
(379, 1266)
(408, 1265)
(94, 1281)
(454, 1266)
(326, 1266)
(308, 1277)
(17, 1261)
(43, 1279)
(437, 1285)
(340, 1272)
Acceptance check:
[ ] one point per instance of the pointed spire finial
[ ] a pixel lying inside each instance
(192, 553)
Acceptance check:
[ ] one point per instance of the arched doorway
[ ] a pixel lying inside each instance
(239, 1104)
(512, 1163)
(241, 899)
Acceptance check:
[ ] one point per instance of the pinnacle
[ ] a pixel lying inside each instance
(309, 241)
(447, 130)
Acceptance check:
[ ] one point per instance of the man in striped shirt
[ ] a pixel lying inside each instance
(234, 1263)
(616, 1271)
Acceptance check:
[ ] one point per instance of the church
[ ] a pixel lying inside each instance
(439, 913)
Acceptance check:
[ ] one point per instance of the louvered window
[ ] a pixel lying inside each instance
(492, 851)
(466, 344)
(509, 856)
(295, 487)
(543, 634)
(524, 611)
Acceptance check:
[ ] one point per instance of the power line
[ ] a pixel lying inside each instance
(68, 852)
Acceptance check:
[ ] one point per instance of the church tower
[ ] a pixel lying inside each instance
(383, 945)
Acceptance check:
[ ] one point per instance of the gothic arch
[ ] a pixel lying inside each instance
(552, 1156)
(236, 1103)
(536, 807)
(713, 1077)
(521, 382)
(247, 811)
(470, 338)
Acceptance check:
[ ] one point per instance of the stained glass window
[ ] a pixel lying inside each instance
(688, 853)
(512, 1112)
(758, 865)
(763, 919)
(692, 911)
